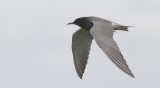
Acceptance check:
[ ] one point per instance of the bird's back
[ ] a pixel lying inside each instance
(101, 27)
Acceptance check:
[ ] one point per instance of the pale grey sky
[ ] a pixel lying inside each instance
(35, 44)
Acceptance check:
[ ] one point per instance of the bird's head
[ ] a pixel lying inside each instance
(83, 22)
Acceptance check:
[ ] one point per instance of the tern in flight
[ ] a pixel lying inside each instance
(102, 31)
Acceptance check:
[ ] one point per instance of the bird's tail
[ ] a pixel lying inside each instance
(120, 27)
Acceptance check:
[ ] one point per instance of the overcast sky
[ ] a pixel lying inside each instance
(35, 44)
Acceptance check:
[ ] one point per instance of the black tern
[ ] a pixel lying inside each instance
(102, 31)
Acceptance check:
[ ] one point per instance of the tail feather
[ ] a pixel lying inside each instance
(123, 28)
(120, 27)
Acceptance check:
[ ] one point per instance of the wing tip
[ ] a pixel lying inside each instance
(132, 75)
(80, 76)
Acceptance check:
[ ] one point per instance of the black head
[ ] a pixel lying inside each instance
(83, 22)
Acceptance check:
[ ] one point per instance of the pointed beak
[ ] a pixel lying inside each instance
(70, 23)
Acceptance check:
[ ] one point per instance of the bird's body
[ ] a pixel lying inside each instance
(102, 31)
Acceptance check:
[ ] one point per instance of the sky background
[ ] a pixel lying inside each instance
(35, 44)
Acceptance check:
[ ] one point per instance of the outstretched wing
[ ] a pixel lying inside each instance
(81, 43)
(102, 32)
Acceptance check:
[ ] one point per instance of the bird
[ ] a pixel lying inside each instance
(101, 30)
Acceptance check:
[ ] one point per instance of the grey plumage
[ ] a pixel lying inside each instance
(102, 31)
(80, 49)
